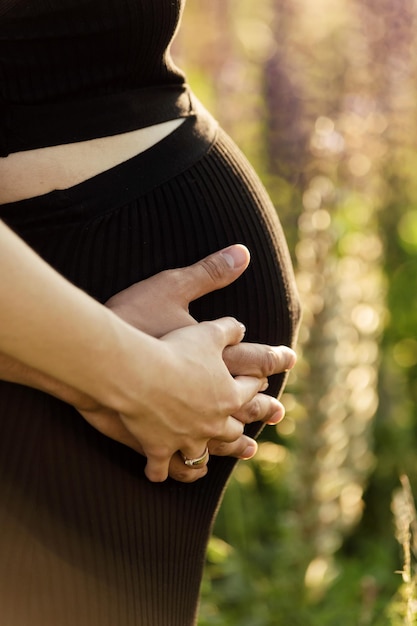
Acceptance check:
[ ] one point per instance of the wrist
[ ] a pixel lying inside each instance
(130, 366)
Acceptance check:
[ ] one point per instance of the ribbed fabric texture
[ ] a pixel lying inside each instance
(85, 539)
(85, 61)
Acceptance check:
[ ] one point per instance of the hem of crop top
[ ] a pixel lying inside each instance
(27, 127)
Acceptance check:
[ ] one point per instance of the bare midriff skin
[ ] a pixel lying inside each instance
(36, 172)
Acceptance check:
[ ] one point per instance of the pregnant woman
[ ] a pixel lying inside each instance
(113, 172)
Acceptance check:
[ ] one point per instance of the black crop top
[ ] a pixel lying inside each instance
(72, 70)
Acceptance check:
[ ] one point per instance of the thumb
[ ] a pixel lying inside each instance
(214, 272)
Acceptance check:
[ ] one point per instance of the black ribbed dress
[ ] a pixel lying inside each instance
(85, 539)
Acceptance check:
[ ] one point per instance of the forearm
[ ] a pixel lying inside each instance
(49, 325)
(14, 371)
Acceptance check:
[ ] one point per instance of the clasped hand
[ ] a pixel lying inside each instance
(159, 307)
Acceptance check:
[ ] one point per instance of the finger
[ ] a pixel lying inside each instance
(232, 430)
(214, 272)
(180, 472)
(193, 461)
(242, 448)
(225, 331)
(157, 466)
(247, 388)
(262, 408)
(252, 359)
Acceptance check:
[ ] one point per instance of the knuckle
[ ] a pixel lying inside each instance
(173, 282)
(167, 276)
(214, 267)
(219, 448)
(172, 278)
(235, 403)
(208, 430)
(254, 410)
(235, 408)
(218, 326)
(159, 453)
(270, 363)
(236, 431)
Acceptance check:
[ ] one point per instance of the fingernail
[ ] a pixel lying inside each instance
(264, 386)
(250, 451)
(235, 256)
(290, 356)
(277, 417)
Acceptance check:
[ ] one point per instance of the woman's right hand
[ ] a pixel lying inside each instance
(256, 359)
(190, 405)
(192, 396)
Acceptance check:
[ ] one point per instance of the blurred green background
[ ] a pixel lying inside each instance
(321, 95)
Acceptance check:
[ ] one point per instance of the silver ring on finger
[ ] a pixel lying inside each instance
(197, 462)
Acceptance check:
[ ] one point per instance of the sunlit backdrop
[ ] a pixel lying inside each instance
(322, 98)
